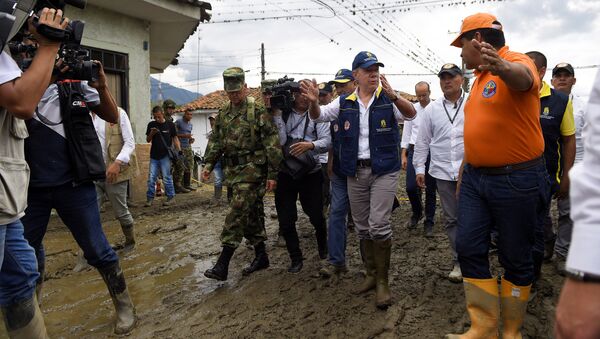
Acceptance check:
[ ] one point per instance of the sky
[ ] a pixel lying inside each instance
(313, 39)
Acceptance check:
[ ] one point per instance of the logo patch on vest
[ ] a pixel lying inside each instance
(347, 125)
(546, 111)
(336, 127)
(383, 123)
(489, 89)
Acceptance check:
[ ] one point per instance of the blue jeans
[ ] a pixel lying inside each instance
(78, 209)
(414, 192)
(164, 167)
(512, 203)
(336, 242)
(18, 267)
(218, 169)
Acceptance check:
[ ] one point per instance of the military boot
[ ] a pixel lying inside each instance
(382, 250)
(129, 237)
(24, 320)
(513, 304)
(481, 296)
(366, 251)
(221, 268)
(180, 189)
(218, 193)
(187, 181)
(125, 318)
(261, 260)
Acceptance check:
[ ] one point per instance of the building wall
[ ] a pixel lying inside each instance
(200, 130)
(119, 33)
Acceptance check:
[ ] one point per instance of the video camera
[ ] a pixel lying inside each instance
(7, 20)
(73, 55)
(282, 97)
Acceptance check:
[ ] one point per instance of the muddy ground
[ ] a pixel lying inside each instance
(174, 299)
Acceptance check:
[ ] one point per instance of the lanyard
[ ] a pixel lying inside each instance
(455, 112)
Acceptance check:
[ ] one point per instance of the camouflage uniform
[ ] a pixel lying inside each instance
(249, 150)
(168, 104)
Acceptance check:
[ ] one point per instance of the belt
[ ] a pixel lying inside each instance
(237, 161)
(510, 168)
(363, 163)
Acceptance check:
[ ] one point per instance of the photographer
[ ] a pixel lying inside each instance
(65, 157)
(305, 140)
(19, 94)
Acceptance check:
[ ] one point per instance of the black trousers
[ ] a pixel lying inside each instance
(310, 191)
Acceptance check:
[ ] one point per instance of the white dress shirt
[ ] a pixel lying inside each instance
(126, 131)
(331, 111)
(442, 137)
(411, 128)
(584, 254)
(579, 115)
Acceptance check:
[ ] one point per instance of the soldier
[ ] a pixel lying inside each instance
(182, 176)
(246, 141)
(169, 109)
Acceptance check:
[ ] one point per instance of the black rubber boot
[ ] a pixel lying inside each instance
(187, 181)
(124, 309)
(221, 268)
(261, 260)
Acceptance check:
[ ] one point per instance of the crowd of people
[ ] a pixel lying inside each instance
(496, 155)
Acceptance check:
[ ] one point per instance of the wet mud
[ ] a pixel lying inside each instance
(176, 244)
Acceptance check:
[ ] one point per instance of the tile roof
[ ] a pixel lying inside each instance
(217, 99)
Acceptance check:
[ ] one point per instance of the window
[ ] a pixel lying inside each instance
(116, 67)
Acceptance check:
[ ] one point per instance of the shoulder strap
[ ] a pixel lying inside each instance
(251, 119)
(305, 125)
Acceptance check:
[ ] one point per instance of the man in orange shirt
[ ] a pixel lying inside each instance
(504, 181)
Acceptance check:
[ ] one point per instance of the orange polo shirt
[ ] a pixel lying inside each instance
(502, 125)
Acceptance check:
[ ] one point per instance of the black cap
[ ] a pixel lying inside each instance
(563, 66)
(325, 88)
(451, 69)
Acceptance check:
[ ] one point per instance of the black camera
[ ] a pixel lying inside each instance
(77, 58)
(7, 20)
(282, 97)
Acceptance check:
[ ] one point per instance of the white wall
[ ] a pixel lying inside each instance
(119, 33)
(201, 128)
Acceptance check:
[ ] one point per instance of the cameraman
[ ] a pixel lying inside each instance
(65, 157)
(301, 136)
(19, 95)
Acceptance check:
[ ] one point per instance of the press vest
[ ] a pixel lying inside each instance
(114, 145)
(553, 106)
(384, 135)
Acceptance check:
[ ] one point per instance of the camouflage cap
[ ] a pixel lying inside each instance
(266, 84)
(233, 79)
(169, 104)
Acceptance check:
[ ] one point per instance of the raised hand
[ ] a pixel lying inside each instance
(490, 59)
(387, 88)
(310, 90)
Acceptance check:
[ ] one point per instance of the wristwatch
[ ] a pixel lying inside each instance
(583, 276)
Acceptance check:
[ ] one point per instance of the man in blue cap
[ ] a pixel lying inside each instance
(369, 157)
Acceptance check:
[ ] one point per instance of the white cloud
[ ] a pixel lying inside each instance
(564, 30)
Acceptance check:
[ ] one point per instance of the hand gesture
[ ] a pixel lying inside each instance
(101, 82)
(421, 180)
(310, 90)
(404, 159)
(51, 18)
(387, 88)
(205, 175)
(490, 59)
(271, 185)
(112, 172)
(300, 148)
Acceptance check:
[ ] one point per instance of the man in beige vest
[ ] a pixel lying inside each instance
(118, 150)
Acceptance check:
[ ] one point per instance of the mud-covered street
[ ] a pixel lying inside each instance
(174, 299)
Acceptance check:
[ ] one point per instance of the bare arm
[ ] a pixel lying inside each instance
(568, 151)
(516, 75)
(21, 96)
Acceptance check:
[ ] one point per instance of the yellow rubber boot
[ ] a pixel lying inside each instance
(513, 302)
(482, 300)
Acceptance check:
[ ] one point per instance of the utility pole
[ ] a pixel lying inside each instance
(262, 61)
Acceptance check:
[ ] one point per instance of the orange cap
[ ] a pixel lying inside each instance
(476, 21)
